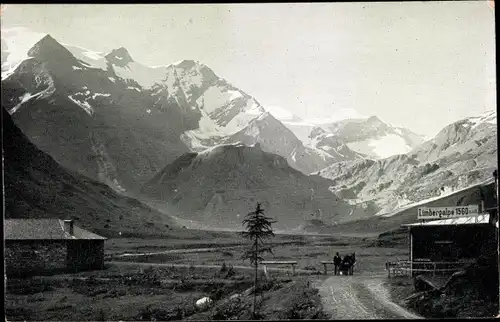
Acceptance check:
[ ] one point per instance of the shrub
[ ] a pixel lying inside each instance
(223, 268)
(235, 309)
(305, 305)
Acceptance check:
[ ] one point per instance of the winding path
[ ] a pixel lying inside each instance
(360, 297)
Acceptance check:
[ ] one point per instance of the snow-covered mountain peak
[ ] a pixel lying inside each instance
(489, 117)
(317, 131)
(119, 57)
(48, 49)
(374, 120)
(188, 63)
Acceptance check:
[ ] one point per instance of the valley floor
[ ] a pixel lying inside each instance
(162, 279)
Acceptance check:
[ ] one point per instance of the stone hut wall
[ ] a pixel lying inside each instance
(85, 254)
(26, 257)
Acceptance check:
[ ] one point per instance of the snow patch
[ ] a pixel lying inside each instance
(143, 75)
(76, 68)
(26, 97)
(238, 122)
(112, 79)
(207, 126)
(215, 98)
(10, 70)
(293, 155)
(100, 94)
(18, 41)
(326, 147)
(234, 95)
(85, 105)
(135, 88)
(383, 147)
(489, 117)
(92, 58)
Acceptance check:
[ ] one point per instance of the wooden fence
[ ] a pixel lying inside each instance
(408, 268)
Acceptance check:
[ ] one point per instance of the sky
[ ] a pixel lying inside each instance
(420, 65)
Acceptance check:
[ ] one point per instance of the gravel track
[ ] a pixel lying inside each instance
(360, 297)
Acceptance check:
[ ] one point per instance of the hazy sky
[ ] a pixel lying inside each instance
(421, 65)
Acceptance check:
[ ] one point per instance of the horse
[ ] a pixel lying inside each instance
(348, 262)
(353, 261)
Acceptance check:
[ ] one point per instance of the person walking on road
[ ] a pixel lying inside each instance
(336, 263)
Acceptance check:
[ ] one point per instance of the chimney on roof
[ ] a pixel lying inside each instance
(68, 226)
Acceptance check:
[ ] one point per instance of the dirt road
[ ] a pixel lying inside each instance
(360, 297)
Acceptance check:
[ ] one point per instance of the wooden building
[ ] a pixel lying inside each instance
(452, 240)
(459, 239)
(37, 246)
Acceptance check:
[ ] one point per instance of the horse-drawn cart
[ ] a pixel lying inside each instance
(346, 267)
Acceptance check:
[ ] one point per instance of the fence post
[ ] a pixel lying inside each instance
(434, 271)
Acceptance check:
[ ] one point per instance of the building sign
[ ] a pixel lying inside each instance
(447, 212)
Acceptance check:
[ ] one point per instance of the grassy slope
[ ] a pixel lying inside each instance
(281, 300)
(131, 293)
(38, 187)
(223, 185)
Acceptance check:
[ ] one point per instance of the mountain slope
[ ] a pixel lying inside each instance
(221, 185)
(333, 145)
(374, 138)
(473, 134)
(356, 135)
(470, 196)
(37, 187)
(129, 120)
(462, 154)
(89, 120)
(229, 115)
(276, 138)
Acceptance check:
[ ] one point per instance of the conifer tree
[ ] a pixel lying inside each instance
(257, 229)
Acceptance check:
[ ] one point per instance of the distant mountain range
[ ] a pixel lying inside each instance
(162, 134)
(462, 154)
(367, 136)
